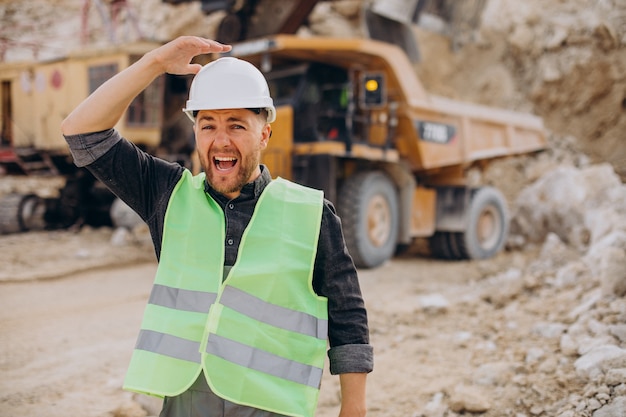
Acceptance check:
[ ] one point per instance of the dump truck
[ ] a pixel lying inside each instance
(353, 120)
(35, 98)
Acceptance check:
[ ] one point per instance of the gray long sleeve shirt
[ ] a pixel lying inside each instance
(145, 183)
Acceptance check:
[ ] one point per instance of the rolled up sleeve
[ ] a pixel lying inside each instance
(87, 148)
(351, 358)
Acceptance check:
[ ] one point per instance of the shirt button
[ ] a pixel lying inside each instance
(231, 206)
(230, 241)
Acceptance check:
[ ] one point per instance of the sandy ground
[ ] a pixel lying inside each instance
(71, 305)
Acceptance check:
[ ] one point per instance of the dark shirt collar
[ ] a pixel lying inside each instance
(251, 190)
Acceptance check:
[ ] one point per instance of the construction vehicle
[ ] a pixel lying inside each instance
(354, 120)
(37, 96)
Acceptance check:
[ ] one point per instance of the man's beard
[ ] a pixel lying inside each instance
(230, 185)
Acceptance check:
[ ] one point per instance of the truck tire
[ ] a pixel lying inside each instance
(368, 207)
(487, 225)
(21, 213)
(444, 245)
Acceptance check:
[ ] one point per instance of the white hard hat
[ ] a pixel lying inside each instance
(229, 83)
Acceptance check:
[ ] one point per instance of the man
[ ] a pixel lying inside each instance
(254, 276)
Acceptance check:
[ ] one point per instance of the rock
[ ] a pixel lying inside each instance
(349, 9)
(568, 345)
(619, 331)
(435, 407)
(593, 258)
(504, 287)
(593, 404)
(120, 237)
(468, 399)
(617, 408)
(599, 360)
(590, 300)
(534, 355)
(613, 273)
(606, 36)
(496, 374)
(549, 330)
(555, 252)
(553, 204)
(559, 203)
(572, 274)
(522, 39)
(615, 376)
(433, 303)
(324, 19)
(620, 390)
(556, 37)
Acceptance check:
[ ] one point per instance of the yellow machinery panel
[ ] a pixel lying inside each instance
(277, 155)
(424, 212)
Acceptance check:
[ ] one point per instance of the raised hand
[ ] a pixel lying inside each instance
(175, 56)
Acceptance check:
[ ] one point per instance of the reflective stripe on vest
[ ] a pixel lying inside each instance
(264, 350)
(262, 361)
(180, 299)
(284, 318)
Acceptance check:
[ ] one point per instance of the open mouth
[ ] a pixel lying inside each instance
(224, 163)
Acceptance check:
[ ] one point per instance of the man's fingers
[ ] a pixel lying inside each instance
(194, 68)
(217, 46)
(205, 45)
(175, 57)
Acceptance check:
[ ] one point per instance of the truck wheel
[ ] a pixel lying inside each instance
(487, 226)
(21, 212)
(32, 212)
(368, 206)
(444, 245)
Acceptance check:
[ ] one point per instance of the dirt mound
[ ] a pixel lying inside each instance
(563, 60)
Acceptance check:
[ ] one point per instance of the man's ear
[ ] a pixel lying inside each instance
(266, 133)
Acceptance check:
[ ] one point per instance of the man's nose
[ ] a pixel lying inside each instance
(222, 137)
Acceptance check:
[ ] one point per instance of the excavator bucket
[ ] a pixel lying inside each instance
(383, 28)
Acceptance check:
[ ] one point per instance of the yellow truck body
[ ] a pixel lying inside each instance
(42, 94)
(398, 168)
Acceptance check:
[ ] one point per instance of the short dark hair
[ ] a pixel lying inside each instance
(260, 111)
(255, 110)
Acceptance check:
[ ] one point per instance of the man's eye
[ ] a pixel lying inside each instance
(206, 127)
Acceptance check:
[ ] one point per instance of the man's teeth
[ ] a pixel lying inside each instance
(224, 163)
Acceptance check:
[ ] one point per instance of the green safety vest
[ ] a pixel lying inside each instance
(259, 335)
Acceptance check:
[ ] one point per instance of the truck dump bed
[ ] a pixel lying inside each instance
(479, 132)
